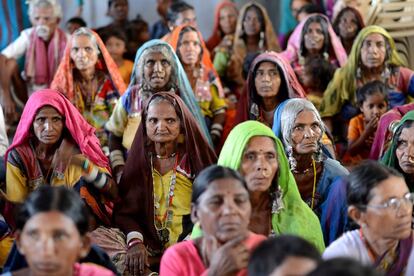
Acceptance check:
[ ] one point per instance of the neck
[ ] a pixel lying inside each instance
(165, 149)
(43, 150)
(88, 74)
(270, 103)
(372, 73)
(378, 245)
(347, 43)
(118, 60)
(304, 161)
(189, 68)
(28, 271)
(257, 198)
(253, 40)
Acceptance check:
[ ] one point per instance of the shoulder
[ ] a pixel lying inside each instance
(181, 257)
(335, 168)
(90, 269)
(254, 240)
(347, 245)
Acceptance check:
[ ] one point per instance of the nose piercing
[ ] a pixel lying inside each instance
(411, 159)
(266, 173)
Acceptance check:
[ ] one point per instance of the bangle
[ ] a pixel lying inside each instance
(134, 242)
(134, 235)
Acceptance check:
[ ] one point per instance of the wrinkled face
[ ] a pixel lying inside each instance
(44, 21)
(157, 70)
(296, 5)
(314, 38)
(228, 20)
(48, 125)
(224, 209)
(259, 163)
(190, 48)
(373, 51)
(293, 265)
(186, 17)
(162, 123)
(251, 22)
(119, 10)
(398, 222)
(374, 106)
(405, 150)
(267, 80)
(348, 25)
(306, 133)
(51, 244)
(115, 46)
(83, 52)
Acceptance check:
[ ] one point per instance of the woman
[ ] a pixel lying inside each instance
(190, 48)
(54, 145)
(377, 194)
(301, 130)
(52, 234)
(90, 79)
(271, 80)
(157, 68)
(400, 154)
(277, 208)
(348, 23)
(373, 57)
(168, 151)
(220, 203)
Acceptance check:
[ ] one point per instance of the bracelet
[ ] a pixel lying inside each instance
(117, 158)
(134, 235)
(215, 132)
(134, 242)
(217, 126)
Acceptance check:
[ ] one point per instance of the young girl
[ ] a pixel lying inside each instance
(372, 101)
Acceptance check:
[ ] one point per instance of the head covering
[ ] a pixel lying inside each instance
(63, 80)
(343, 86)
(296, 217)
(183, 85)
(82, 132)
(136, 210)
(293, 47)
(217, 34)
(205, 59)
(250, 97)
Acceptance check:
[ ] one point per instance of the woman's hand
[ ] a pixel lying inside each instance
(137, 259)
(230, 258)
(64, 154)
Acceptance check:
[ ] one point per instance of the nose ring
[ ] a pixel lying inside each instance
(266, 173)
(411, 159)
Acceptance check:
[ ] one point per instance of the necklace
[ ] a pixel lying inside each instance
(166, 157)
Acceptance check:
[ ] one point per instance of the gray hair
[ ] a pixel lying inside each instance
(291, 110)
(57, 9)
(87, 32)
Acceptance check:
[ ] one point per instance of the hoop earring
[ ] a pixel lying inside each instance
(261, 41)
(292, 161)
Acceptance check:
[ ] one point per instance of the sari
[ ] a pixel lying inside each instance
(342, 88)
(294, 217)
(136, 211)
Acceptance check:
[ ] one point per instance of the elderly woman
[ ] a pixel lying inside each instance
(381, 204)
(54, 145)
(271, 80)
(348, 23)
(190, 48)
(89, 78)
(169, 150)
(373, 57)
(52, 234)
(301, 130)
(220, 203)
(157, 68)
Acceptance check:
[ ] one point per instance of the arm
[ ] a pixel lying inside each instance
(8, 66)
(16, 180)
(218, 107)
(355, 146)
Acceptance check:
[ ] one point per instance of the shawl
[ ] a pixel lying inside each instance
(343, 86)
(249, 97)
(63, 80)
(183, 85)
(136, 210)
(293, 45)
(82, 133)
(390, 159)
(217, 34)
(43, 58)
(296, 217)
(205, 59)
(382, 135)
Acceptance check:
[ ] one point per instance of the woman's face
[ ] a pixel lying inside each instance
(83, 52)
(348, 25)
(48, 125)
(405, 150)
(267, 80)
(314, 38)
(224, 209)
(162, 123)
(373, 51)
(398, 221)
(259, 163)
(306, 133)
(228, 20)
(251, 22)
(157, 70)
(51, 244)
(190, 48)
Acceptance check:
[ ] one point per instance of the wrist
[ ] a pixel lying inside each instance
(134, 242)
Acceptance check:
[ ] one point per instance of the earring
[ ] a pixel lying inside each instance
(326, 56)
(359, 73)
(319, 153)
(261, 41)
(292, 161)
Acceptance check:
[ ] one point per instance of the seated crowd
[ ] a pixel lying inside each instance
(151, 151)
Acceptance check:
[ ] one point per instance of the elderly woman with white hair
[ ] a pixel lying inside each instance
(42, 45)
(300, 127)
